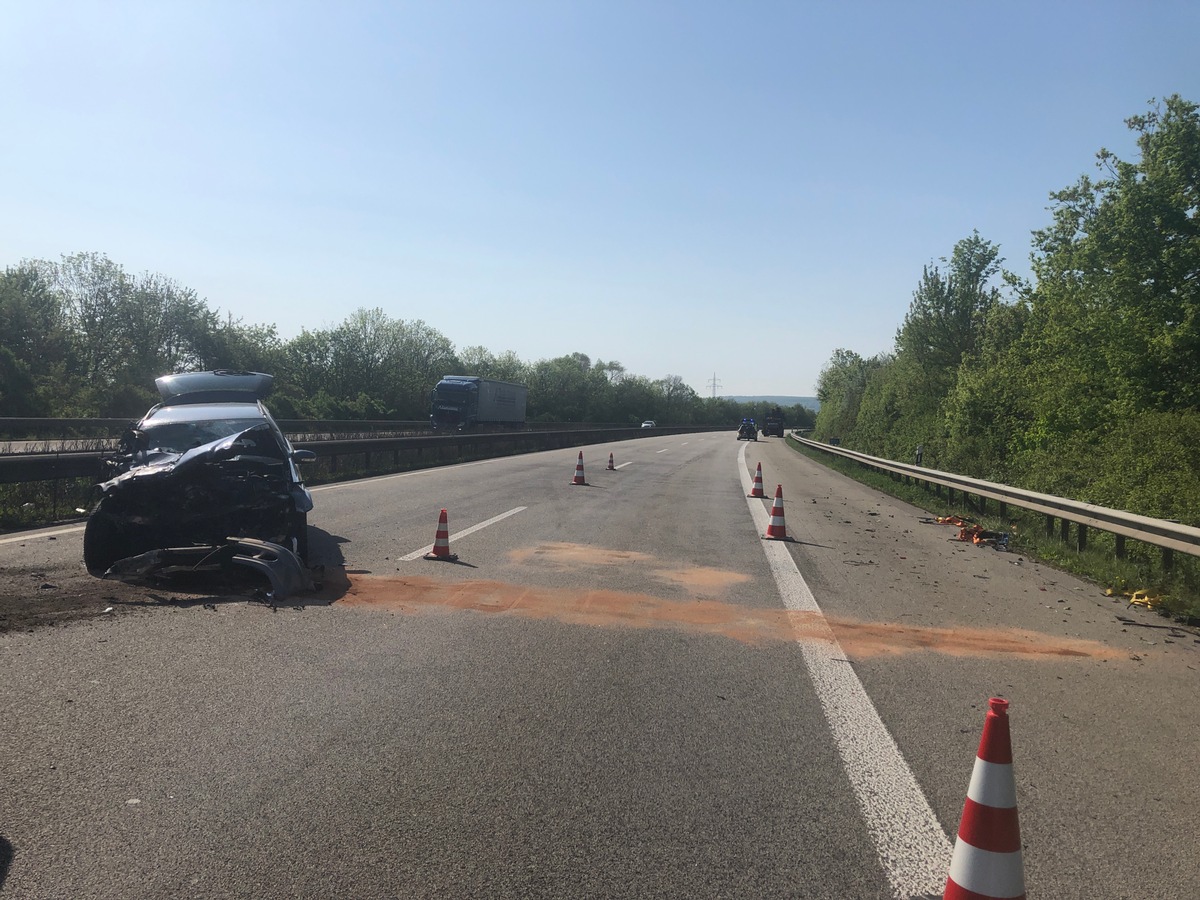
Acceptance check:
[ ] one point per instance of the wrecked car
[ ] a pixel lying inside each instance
(204, 468)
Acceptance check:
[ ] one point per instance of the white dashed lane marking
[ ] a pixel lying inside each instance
(417, 554)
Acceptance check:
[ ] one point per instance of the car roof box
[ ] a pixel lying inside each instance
(219, 386)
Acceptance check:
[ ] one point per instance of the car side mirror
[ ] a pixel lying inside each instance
(303, 456)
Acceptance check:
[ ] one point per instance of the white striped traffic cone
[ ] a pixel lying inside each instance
(987, 854)
(578, 479)
(441, 541)
(757, 490)
(611, 467)
(777, 530)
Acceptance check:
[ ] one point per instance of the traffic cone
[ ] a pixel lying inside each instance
(441, 541)
(611, 467)
(578, 479)
(777, 531)
(757, 490)
(987, 854)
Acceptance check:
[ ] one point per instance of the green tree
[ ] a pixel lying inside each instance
(95, 297)
(1113, 330)
(424, 355)
(989, 414)
(680, 403)
(840, 388)
(638, 398)
(35, 346)
(233, 344)
(559, 389)
(124, 332)
(946, 316)
(370, 365)
(1122, 260)
(478, 360)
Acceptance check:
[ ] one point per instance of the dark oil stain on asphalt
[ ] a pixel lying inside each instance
(418, 594)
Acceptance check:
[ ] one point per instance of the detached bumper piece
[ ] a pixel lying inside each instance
(280, 566)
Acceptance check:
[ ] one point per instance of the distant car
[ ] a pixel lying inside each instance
(649, 423)
(748, 431)
(206, 464)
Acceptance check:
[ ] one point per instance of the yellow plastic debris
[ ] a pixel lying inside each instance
(1143, 598)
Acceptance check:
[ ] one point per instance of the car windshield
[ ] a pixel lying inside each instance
(178, 437)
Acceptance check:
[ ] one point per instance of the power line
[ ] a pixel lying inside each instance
(714, 384)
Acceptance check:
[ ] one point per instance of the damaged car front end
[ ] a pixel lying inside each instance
(202, 486)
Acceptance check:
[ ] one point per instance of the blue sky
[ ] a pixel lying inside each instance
(690, 188)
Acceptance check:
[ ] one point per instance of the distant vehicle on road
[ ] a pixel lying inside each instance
(748, 431)
(460, 402)
(649, 423)
(773, 423)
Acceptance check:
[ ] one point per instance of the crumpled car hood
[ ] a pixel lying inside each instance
(256, 443)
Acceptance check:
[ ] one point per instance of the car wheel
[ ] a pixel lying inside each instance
(103, 544)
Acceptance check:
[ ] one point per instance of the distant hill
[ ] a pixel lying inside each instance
(807, 402)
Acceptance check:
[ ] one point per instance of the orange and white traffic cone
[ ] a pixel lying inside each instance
(611, 467)
(578, 479)
(441, 541)
(987, 854)
(777, 531)
(757, 490)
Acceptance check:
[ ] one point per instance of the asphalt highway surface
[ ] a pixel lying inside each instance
(617, 689)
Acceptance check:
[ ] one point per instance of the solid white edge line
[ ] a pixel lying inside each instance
(417, 554)
(622, 465)
(35, 535)
(913, 849)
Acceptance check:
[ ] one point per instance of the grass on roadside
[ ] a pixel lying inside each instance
(36, 504)
(1174, 592)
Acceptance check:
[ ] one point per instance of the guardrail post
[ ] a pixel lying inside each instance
(982, 505)
(1081, 538)
(1168, 559)
(1049, 525)
(1120, 546)
(1066, 531)
(1003, 510)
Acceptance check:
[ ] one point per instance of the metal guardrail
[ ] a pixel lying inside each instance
(41, 426)
(26, 467)
(67, 437)
(1171, 536)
